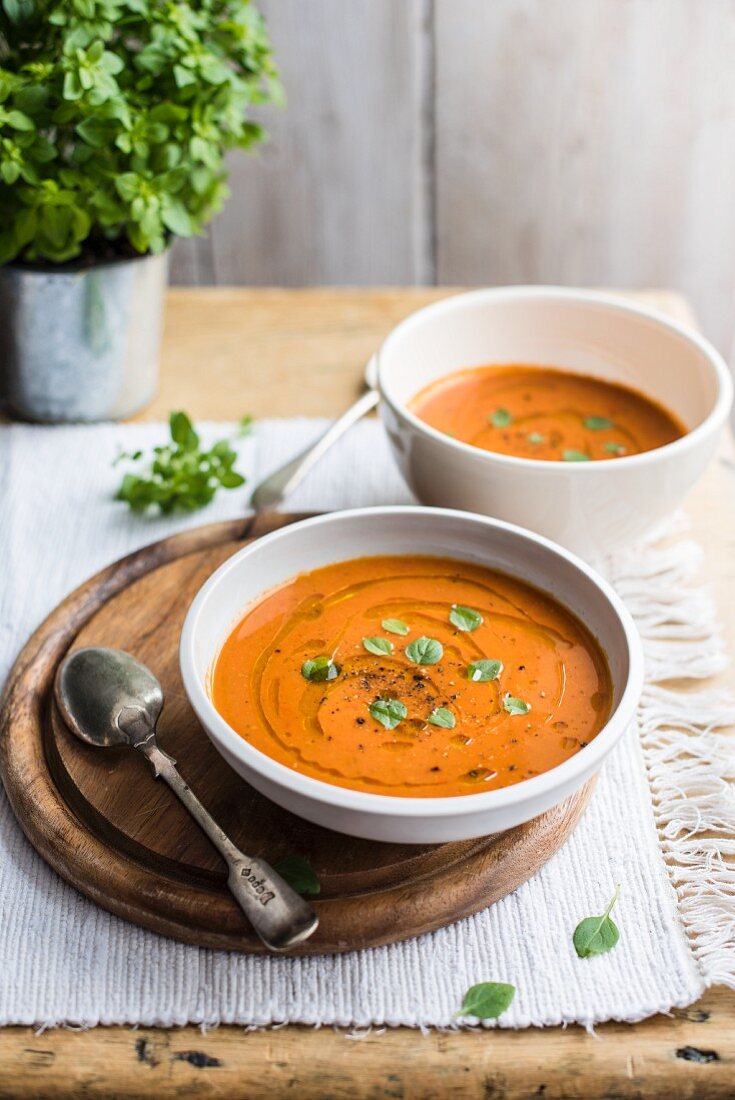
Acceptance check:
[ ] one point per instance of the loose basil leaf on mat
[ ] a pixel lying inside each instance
(440, 716)
(596, 935)
(389, 712)
(319, 669)
(515, 706)
(501, 418)
(378, 646)
(395, 626)
(575, 456)
(536, 437)
(487, 1000)
(425, 651)
(465, 618)
(614, 448)
(299, 874)
(598, 423)
(482, 671)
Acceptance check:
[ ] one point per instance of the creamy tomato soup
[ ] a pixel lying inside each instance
(412, 676)
(545, 413)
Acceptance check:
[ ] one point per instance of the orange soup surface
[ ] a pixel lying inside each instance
(412, 676)
(545, 413)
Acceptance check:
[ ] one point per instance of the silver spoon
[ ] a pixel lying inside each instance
(274, 489)
(107, 698)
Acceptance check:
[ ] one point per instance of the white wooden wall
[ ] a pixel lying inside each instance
(491, 141)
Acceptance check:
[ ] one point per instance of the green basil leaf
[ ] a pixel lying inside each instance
(389, 712)
(482, 671)
(395, 626)
(319, 669)
(299, 874)
(378, 646)
(536, 437)
(440, 716)
(614, 448)
(501, 418)
(486, 1000)
(598, 423)
(425, 651)
(575, 456)
(597, 935)
(465, 618)
(515, 706)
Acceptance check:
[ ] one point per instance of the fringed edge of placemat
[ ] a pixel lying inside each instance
(689, 761)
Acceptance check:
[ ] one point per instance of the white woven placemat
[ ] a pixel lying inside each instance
(64, 960)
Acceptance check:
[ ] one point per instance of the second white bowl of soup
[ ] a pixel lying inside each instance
(571, 413)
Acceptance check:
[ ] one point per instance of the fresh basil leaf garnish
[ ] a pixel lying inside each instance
(299, 874)
(536, 437)
(465, 618)
(501, 418)
(378, 646)
(598, 423)
(515, 706)
(425, 651)
(486, 1000)
(389, 712)
(395, 626)
(319, 669)
(575, 456)
(614, 448)
(482, 671)
(596, 935)
(440, 716)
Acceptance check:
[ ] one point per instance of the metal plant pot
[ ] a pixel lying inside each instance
(80, 344)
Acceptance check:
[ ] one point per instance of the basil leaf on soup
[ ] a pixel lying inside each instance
(319, 669)
(597, 935)
(378, 646)
(536, 437)
(440, 716)
(515, 706)
(575, 456)
(486, 1000)
(465, 618)
(614, 448)
(598, 423)
(482, 671)
(299, 874)
(425, 651)
(501, 418)
(389, 712)
(395, 626)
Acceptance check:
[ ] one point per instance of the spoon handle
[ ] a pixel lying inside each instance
(274, 489)
(278, 914)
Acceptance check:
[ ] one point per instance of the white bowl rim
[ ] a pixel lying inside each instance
(712, 421)
(582, 763)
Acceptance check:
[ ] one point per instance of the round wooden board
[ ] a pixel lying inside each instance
(99, 818)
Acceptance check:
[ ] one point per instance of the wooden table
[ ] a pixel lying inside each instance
(282, 353)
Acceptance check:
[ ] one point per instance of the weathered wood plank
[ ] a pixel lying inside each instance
(588, 142)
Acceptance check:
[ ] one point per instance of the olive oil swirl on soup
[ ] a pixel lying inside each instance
(312, 677)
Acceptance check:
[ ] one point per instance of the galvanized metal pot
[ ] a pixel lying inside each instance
(80, 344)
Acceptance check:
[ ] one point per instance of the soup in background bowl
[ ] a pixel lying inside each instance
(300, 586)
(591, 508)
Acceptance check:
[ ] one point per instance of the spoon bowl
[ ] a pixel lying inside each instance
(96, 687)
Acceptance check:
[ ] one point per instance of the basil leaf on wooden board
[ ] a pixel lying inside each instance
(465, 618)
(378, 646)
(319, 669)
(598, 423)
(389, 712)
(440, 716)
(482, 671)
(487, 1000)
(575, 456)
(396, 626)
(501, 418)
(515, 706)
(425, 651)
(299, 874)
(597, 935)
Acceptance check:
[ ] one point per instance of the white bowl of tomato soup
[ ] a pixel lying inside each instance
(411, 674)
(577, 415)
